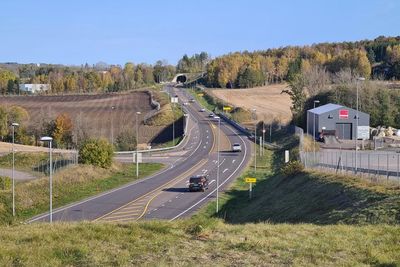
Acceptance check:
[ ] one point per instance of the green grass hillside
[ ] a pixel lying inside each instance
(189, 243)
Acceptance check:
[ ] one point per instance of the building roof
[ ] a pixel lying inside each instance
(325, 108)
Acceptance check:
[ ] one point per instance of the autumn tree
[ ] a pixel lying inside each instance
(62, 130)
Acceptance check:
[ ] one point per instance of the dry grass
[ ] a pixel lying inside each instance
(195, 243)
(268, 101)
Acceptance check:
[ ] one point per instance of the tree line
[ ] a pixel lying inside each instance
(98, 78)
(378, 58)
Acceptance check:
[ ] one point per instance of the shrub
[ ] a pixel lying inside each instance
(97, 152)
(126, 141)
(5, 183)
(292, 168)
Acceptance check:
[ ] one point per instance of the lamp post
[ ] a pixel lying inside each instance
(255, 142)
(263, 139)
(13, 125)
(112, 125)
(50, 140)
(137, 142)
(219, 127)
(315, 102)
(358, 79)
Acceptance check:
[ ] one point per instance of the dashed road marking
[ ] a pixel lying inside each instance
(225, 171)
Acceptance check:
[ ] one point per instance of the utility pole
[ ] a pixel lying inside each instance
(357, 118)
(13, 125)
(137, 143)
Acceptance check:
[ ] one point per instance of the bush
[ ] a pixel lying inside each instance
(126, 141)
(5, 183)
(97, 152)
(292, 168)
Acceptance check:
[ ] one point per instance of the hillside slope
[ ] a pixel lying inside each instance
(191, 243)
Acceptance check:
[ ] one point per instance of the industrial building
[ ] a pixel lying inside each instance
(333, 119)
(33, 88)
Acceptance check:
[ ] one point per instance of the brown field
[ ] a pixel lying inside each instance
(90, 114)
(267, 100)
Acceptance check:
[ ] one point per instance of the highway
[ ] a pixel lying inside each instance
(165, 195)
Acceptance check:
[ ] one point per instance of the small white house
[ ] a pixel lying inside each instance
(33, 88)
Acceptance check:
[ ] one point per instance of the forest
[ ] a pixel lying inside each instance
(376, 59)
(98, 78)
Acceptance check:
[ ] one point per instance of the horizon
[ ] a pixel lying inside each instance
(120, 32)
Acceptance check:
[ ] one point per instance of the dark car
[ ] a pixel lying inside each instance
(198, 183)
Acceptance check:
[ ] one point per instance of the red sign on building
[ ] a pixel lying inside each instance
(343, 114)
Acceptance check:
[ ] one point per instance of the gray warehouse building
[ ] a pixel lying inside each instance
(332, 119)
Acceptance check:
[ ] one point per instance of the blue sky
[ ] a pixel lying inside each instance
(118, 31)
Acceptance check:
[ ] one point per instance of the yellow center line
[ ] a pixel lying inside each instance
(148, 193)
(123, 216)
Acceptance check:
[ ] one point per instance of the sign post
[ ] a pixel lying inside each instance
(250, 181)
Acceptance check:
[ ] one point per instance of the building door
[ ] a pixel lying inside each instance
(344, 130)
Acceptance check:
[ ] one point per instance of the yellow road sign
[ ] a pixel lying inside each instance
(227, 108)
(250, 180)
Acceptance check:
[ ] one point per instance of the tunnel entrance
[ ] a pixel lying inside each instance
(181, 79)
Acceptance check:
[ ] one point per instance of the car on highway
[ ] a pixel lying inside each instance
(202, 109)
(211, 115)
(216, 117)
(236, 147)
(185, 103)
(198, 183)
(191, 100)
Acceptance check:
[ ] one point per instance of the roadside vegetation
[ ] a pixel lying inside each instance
(69, 185)
(187, 243)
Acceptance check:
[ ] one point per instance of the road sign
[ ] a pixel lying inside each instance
(250, 180)
(139, 156)
(200, 94)
(227, 108)
(363, 132)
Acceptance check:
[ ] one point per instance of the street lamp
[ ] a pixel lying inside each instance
(13, 125)
(219, 129)
(263, 139)
(315, 102)
(50, 140)
(112, 125)
(358, 79)
(137, 142)
(255, 142)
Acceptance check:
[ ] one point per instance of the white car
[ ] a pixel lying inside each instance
(216, 117)
(236, 147)
(202, 110)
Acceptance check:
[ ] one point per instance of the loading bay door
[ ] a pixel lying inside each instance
(344, 130)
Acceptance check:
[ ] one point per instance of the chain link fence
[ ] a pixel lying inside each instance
(372, 164)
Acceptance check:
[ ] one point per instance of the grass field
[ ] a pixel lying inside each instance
(69, 185)
(269, 102)
(194, 243)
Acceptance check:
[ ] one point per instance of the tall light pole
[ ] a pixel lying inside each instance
(315, 102)
(219, 129)
(255, 142)
(137, 142)
(263, 139)
(13, 125)
(112, 125)
(50, 140)
(358, 79)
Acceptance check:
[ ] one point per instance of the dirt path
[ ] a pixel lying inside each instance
(269, 102)
(6, 148)
(18, 175)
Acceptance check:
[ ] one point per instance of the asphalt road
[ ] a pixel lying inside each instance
(165, 195)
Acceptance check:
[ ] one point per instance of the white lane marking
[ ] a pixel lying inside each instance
(226, 180)
(169, 200)
(204, 147)
(233, 161)
(176, 196)
(212, 182)
(207, 137)
(222, 162)
(207, 143)
(155, 209)
(225, 171)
